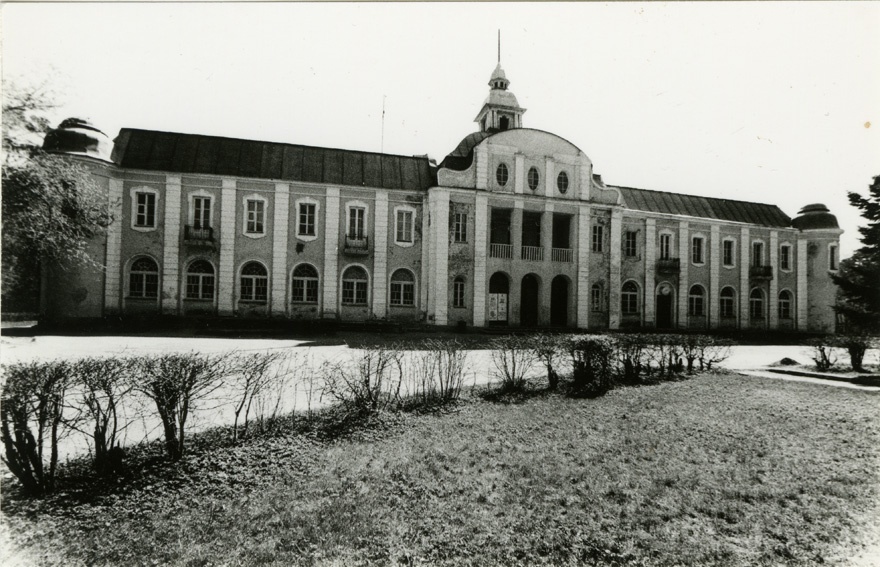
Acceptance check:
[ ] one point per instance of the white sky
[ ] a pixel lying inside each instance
(765, 102)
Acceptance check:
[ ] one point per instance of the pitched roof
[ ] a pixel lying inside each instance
(194, 153)
(704, 207)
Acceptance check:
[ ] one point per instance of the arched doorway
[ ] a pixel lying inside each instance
(664, 305)
(499, 290)
(559, 302)
(528, 301)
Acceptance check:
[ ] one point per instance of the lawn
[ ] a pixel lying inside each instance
(720, 469)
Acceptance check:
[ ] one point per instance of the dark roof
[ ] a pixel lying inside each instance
(815, 216)
(463, 155)
(193, 153)
(705, 207)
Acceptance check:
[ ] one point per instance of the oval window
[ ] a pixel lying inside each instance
(562, 182)
(534, 178)
(501, 174)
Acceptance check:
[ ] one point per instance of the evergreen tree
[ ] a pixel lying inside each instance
(858, 278)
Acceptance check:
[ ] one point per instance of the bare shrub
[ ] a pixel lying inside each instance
(104, 386)
(32, 421)
(512, 358)
(551, 351)
(712, 350)
(368, 382)
(822, 353)
(667, 355)
(436, 370)
(592, 363)
(252, 374)
(176, 384)
(632, 352)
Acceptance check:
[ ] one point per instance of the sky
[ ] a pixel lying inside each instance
(758, 101)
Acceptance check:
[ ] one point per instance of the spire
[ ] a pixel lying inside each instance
(500, 111)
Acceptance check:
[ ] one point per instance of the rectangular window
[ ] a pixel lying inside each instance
(665, 246)
(757, 253)
(354, 292)
(256, 215)
(404, 232)
(697, 250)
(727, 252)
(459, 227)
(145, 214)
(144, 286)
(597, 238)
(201, 212)
(402, 293)
(458, 293)
(832, 257)
(356, 222)
(597, 298)
(305, 290)
(307, 219)
(630, 244)
(785, 257)
(727, 307)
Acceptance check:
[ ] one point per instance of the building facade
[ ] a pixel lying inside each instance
(511, 228)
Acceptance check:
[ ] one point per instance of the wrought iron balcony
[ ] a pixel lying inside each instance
(668, 266)
(198, 235)
(761, 272)
(357, 245)
(561, 254)
(504, 251)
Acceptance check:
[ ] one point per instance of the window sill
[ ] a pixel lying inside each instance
(354, 304)
(199, 299)
(141, 298)
(728, 266)
(401, 306)
(254, 234)
(292, 302)
(307, 237)
(143, 228)
(253, 301)
(404, 244)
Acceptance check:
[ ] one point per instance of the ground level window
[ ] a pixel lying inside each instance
(200, 280)
(756, 304)
(728, 299)
(695, 301)
(597, 297)
(403, 288)
(143, 279)
(458, 292)
(785, 304)
(629, 298)
(305, 284)
(254, 282)
(354, 286)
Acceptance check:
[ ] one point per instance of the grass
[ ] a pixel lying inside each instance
(717, 470)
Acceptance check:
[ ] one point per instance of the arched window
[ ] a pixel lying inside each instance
(728, 303)
(304, 284)
(629, 298)
(695, 301)
(403, 288)
(143, 279)
(254, 282)
(597, 297)
(200, 280)
(534, 178)
(354, 286)
(785, 304)
(756, 304)
(562, 182)
(458, 292)
(501, 174)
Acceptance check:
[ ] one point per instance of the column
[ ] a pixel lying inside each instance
(744, 252)
(801, 298)
(614, 279)
(279, 249)
(171, 246)
(425, 267)
(331, 254)
(650, 266)
(380, 254)
(481, 235)
(481, 159)
(582, 285)
(547, 231)
(773, 300)
(516, 220)
(226, 269)
(439, 203)
(683, 279)
(113, 261)
(714, 275)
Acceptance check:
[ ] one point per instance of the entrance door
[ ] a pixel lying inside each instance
(498, 291)
(664, 307)
(559, 302)
(528, 310)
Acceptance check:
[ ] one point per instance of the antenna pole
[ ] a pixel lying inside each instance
(382, 150)
(499, 46)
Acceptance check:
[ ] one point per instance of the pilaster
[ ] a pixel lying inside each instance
(547, 231)
(519, 173)
(171, 246)
(582, 285)
(516, 221)
(331, 254)
(440, 267)
(650, 267)
(549, 177)
(773, 300)
(714, 275)
(683, 275)
(226, 269)
(481, 159)
(113, 261)
(481, 227)
(614, 279)
(279, 248)
(380, 255)
(801, 297)
(745, 251)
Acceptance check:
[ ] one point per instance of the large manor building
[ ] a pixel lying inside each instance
(512, 228)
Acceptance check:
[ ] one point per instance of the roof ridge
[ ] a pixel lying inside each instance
(692, 195)
(417, 157)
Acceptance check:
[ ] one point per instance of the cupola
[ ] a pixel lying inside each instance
(77, 136)
(815, 217)
(500, 111)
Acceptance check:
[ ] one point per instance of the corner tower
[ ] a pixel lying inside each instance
(500, 111)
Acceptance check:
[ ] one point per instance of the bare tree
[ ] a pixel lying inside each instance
(513, 359)
(255, 375)
(368, 382)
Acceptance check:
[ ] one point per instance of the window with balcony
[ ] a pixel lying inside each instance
(201, 212)
(665, 246)
(357, 223)
(756, 304)
(757, 254)
(531, 237)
